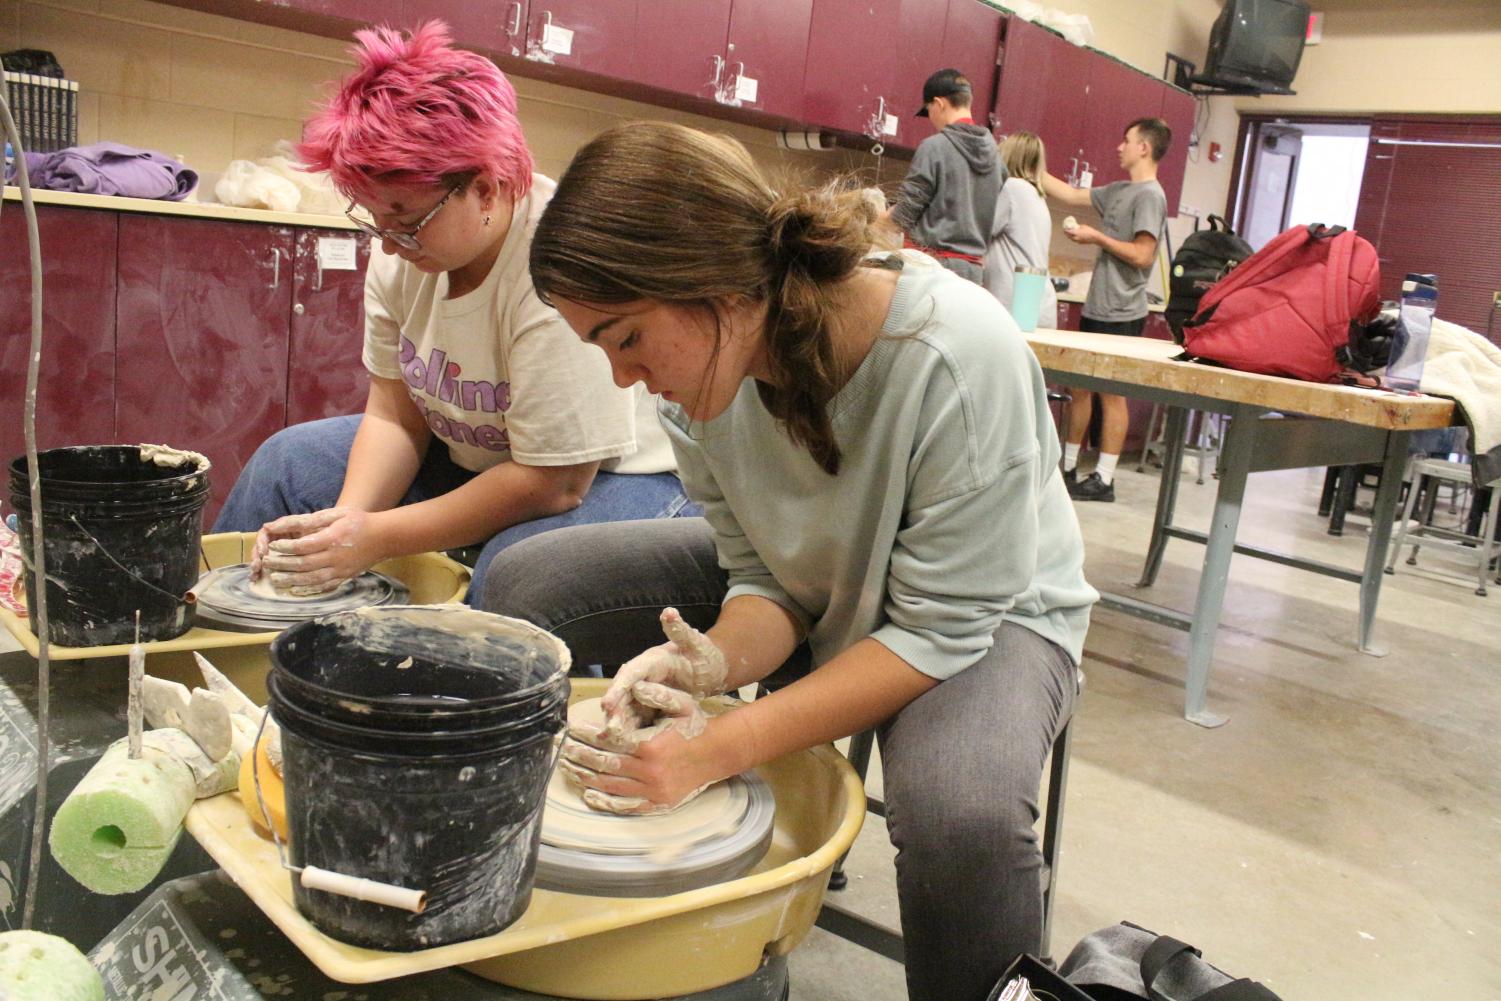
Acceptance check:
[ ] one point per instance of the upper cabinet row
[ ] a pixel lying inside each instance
(850, 66)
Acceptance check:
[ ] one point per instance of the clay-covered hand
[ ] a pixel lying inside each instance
(308, 554)
(689, 661)
(639, 771)
(1083, 234)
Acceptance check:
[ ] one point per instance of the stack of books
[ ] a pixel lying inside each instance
(45, 109)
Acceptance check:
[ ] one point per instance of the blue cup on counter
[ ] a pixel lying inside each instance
(1027, 286)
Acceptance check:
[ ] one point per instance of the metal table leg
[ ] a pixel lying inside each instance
(1167, 492)
(1382, 512)
(1239, 442)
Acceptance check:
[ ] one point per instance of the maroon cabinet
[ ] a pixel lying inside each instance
(76, 389)
(768, 44)
(851, 55)
(920, 26)
(594, 36)
(1118, 94)
(492, 25)
(741, 53)
(1042, 90)
(1178, 110)
(680, 46)
(326, 376)
(971, 37)
(202, 338)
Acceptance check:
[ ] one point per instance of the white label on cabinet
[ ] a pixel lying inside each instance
(557, 40)
(745, 89)
(338, 253)
(1086, 179)
(889, 128)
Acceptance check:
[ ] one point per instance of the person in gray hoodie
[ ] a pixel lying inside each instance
(946, 204)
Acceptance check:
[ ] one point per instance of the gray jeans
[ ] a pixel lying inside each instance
(962, 763)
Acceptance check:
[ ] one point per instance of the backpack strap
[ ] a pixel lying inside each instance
(1254, 268)
(1161, 952)
(1217, 222)
(1337, 281)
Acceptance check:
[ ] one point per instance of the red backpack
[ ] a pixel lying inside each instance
(1287, 309)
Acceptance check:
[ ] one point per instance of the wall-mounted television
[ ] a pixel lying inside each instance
(1255, 46)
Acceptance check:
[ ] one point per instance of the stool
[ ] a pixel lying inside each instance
(1204, 434)
(863, 932)
(1481, 545)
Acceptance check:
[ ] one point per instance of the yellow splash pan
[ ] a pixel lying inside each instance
(612, 949)
(431, 578)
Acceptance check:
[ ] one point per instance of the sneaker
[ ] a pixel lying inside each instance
(1071, 479)
(1092, 488)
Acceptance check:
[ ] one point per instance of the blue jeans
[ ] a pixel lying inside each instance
(301, 469)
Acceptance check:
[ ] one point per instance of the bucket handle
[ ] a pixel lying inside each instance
(176, 599)
(314, 878)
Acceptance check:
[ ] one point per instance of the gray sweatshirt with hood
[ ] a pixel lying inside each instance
(947, 201)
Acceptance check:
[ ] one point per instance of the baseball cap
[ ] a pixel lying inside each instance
(944, 83)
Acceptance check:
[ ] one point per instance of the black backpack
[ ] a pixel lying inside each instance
(1205, 257)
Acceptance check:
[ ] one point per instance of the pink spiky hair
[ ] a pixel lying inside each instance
(416, 110)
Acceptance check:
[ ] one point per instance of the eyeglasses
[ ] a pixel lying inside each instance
(405, 239)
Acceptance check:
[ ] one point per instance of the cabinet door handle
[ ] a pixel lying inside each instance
(275, 269)
(298, 309)
(718, 82)
(514, 25)
(318, 285)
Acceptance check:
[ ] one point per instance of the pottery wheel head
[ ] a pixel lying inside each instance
(720, 834)
(228, 599)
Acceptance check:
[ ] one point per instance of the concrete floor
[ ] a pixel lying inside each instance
(1340, 838)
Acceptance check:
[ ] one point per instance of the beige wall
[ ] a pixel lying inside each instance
(210, 89)
(1397, 55)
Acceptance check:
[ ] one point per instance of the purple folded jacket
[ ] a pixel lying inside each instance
(112, 169)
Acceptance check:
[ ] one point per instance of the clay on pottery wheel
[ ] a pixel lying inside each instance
(721, 834)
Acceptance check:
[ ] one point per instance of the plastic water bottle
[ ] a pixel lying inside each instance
(10, 162)
(1410, 346)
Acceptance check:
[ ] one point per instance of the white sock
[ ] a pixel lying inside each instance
(1106, 467)
(1071, 457)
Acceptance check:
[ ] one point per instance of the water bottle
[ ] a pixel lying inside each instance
(1027, 286)
(1410, 345)
(10, 162)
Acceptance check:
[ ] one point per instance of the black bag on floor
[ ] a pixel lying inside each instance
(1207, 255)
(1126, 963)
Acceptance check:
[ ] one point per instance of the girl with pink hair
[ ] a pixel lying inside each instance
(487, 420)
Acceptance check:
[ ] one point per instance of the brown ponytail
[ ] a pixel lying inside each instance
(663, 212)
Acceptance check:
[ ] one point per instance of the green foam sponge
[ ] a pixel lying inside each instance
(116, 830)
(38, 967)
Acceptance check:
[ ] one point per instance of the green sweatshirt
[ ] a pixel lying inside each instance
(948, 515)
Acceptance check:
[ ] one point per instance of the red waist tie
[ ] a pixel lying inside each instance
(934, 252)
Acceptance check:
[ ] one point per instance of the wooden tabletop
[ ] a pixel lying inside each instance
(1142, 361)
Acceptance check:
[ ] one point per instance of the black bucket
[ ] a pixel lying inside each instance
(417, 744)
(122, 533)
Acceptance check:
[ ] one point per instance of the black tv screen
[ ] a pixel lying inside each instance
(1257, 44)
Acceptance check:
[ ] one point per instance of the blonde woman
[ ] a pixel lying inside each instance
(1023, 226)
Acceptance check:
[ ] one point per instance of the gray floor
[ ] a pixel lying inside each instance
(1339, 838)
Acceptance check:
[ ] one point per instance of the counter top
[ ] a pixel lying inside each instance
(1078, 299)
(199, 210)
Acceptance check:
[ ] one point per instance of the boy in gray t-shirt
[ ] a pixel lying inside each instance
(1132, 214)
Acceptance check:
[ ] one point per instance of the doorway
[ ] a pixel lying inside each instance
(1295, 171)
